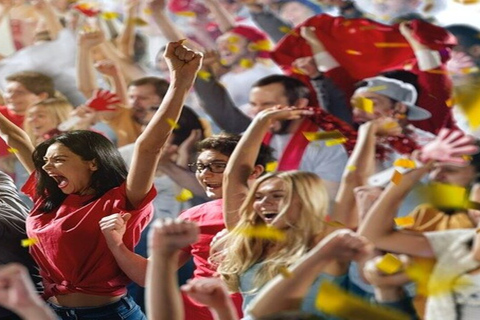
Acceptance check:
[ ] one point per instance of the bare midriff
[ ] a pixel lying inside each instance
(82, 300)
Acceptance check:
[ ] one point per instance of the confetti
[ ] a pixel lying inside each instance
(204, 75)
(262, 45)
(285, 272)
(404, 222)
(188, 14)
(148, 11)
(391, 45)
(469, 70)
(333, 300)
(446, 196)
(334, 142)
(473, 205)
(364, 104)
(450, 102)
(334, 224)
(138, 22)
(184, 195)
(436, 71)
(271, 166)
(233, 39)
(405, 163)
(390, 125)
(29, 242)
(285, 29)
(297, 71)
(397, 177)
(389, 264)
(86, 9)
(353, 52)
(109, 15)
(246, 63)
(12, 150)
(466, 1)
(173, 124)
(324, 135)
(262, 232)
(351, 168)
(233, 48)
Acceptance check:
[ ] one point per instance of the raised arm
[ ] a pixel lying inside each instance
(86, 41)
(183, 64)
(160, 17)
(18, 141)
(225, 19)
(360, 166)
(241, 164)
(5, 7)
(126, 39)
(285, 293)
(166, 238)
(111, 69)
(46, 11)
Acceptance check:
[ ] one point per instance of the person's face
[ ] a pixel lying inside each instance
(72, 173)
(40, 120)
(295, 12)
(18, 98)
(454, 175)
(394, 8)
(232, 48)
(270, 198)
(382, 107)
(141, 99)
(268, 96)
(211, 181)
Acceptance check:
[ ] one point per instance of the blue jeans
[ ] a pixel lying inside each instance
(124, 309)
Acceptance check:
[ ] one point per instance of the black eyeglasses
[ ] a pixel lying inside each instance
(215, 167)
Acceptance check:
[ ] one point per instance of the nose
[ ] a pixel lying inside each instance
(46, 166)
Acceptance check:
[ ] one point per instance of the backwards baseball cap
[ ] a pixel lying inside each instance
(397, 90)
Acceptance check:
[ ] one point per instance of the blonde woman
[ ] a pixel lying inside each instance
(294, 202)
(43, 117)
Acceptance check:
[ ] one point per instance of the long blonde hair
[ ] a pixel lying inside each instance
(57, 108)
(241, 252)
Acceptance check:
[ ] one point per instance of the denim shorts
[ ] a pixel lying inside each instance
(124, 309)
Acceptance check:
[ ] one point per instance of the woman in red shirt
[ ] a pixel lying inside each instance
(80, 178)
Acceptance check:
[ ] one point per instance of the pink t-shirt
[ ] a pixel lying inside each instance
(71, 250)
(209, 217)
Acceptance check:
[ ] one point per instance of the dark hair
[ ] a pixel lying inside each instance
(467, 36)
(111, 169)
(294, 88)
(187, 122)
(160, 85)
(34, 82)
(225, 144)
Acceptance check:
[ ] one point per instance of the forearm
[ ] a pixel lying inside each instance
(126, 38)
(18, 141)
(162, 294)
(285, 293)
(228, 312)
(225, 19)
(218, 104)
(86, 81)
(38, 312)
(269, 22)
(120, 87)
(183, 178)
(169, 30)
(239, 168)
(51, 20)
(132, 264)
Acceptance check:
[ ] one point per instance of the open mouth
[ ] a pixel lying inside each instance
(213, 185)
(269, 216)
(62, 182)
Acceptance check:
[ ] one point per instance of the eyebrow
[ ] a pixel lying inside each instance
(56, 157)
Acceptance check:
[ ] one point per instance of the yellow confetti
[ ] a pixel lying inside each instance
(173, 124)
(353, 52)
(391, 45)
(397, 177)
(404, 222)
(390, 125)
(204, 75)
(109, 15)
(271, 166)
(233, 39)
(324, 135)
(29, 242)
(233, 48)
(446, 196)
(285, 272)
(435, 71)
(333, 300)
(469, 70)
(184, 195)
(297, 71)
(285, 29)
(139, 22)
(450, 102)
(466, 1)
(12, 150)
(189, 14)
(262, 232)
(148, 11)
(246, 63)
(351, 168)
(364, 104)
(334, 224)
(405, 163)
(334, 142)
(389, 264)
(262, 45)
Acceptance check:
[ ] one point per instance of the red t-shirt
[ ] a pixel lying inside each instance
(209, 217)
(16, 119)
(71, 250)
